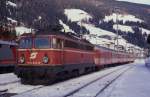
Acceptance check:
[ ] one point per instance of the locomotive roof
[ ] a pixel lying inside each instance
(59, 33)
(105, 48)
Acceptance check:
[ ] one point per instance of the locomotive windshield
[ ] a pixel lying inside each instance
(25, 43)
(42, 42)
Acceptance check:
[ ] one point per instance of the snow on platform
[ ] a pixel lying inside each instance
(7, 78)
(63, 88)
(134, 83)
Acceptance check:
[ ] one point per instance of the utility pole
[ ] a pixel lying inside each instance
(117, 28)
(116, 11)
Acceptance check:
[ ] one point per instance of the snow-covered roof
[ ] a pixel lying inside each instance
(75, 15)
(122, 17)
(8, 42)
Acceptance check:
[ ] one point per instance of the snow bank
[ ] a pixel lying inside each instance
(75, 15)
(122, 17)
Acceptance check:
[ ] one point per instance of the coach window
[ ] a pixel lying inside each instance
(42, 42)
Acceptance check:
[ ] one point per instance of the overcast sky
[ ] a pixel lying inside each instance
(138, 1)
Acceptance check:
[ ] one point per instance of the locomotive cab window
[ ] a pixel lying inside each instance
(42, 42)
(57, 43)
(25, 43)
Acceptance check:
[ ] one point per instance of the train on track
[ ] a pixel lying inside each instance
(8, 56)
(45, 58)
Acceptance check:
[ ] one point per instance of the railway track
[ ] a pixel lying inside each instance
(6, 83)
(72, 88)
(83, 91)
(14, 87)
(17, 88)
(10, 84)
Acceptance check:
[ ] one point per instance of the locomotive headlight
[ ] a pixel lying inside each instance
(45, 59)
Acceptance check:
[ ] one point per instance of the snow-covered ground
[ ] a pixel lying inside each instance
(7, 78)
(97, 31)
(63, 88)
(134, 83)
(145, 31)
(123, 28)
(122, 17)
(147, 2)
(97, 87)
(66, 28)
(75, 15)
(96, 34)
(134, 79)
(103, 37)
(12, 83)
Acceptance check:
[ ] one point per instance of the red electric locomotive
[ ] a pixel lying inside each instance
(46, 58)
(8, 56)
(49, 57)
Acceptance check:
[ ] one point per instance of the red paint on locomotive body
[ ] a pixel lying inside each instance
(62, 54)
(57, 55)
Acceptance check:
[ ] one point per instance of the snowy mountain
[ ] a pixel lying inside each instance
(95, 19)
(147, 2)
